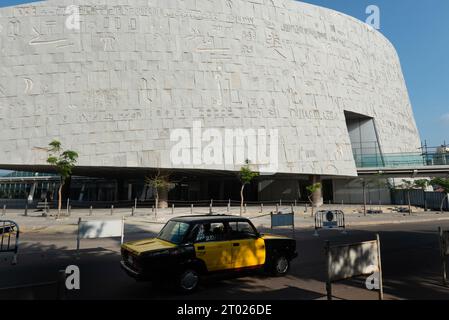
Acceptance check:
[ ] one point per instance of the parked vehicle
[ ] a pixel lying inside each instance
(189, 248)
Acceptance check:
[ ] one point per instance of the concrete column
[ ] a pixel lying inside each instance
(130, 191)
(32, 192)
(317, 197)
(163, 198)
(83, 190)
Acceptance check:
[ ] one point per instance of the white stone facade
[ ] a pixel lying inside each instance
(135, 69)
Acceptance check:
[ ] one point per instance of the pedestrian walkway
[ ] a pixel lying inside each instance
(35, 222)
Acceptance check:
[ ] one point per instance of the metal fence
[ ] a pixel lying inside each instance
(419, 198)
(9, 238)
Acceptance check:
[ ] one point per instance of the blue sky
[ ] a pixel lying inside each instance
(420, 32)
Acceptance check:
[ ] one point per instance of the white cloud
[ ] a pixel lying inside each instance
(445, 118)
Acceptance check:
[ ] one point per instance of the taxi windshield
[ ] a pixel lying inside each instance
(174, 232)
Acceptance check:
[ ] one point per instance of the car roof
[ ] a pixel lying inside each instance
(209, 218)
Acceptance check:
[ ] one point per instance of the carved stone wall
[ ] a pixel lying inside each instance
(113, 89)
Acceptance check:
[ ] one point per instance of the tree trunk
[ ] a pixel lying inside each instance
(425, 201)
(156, 202)
(241, 198)
(60, 198)
(163, 197)
(409, 204)
(442, 203)
(311, 205)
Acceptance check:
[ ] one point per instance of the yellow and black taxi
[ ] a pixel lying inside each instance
(188, 248)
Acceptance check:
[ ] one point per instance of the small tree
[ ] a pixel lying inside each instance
(377, 181)
(423, 184)
(246, 175)
(443, 183)
(160, 183)
(63, 161)
(312, 189)
(408, 186)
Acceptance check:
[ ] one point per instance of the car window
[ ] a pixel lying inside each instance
(174, 232)
(208, 232)
(242, 230)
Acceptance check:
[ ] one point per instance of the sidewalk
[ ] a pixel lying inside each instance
(149, 220)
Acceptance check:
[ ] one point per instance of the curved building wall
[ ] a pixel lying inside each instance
(114, 89)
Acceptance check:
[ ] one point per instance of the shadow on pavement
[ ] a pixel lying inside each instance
(410, 259)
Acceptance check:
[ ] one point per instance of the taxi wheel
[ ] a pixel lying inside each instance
(280, 266)
(188, 281)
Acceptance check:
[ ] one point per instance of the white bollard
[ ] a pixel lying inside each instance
(123, 230)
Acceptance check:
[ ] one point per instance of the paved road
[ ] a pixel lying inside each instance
(410, 257)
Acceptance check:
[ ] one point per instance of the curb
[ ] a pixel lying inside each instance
(396, 222)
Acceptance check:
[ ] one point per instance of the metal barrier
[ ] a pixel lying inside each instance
(353, 260)
(100, 229)
(330, 219)
(9, 238)
(283, 220)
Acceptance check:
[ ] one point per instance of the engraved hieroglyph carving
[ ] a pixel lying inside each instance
(132, 24)
(147, 90)
(226, 94)
(108, 41)
(29, 85)
(218, 77)
(14, 28)
(40, 39)
(273, 39)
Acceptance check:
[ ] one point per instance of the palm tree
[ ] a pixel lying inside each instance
(312, 189)
(246, 175)
(64, 162)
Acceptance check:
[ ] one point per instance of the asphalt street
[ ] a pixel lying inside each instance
(410, 258)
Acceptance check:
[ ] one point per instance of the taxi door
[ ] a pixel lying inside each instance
(248, 250)
(214, 248)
